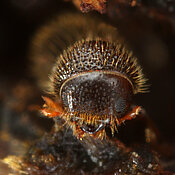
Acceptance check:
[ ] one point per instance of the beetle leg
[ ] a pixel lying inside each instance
(135, 111)
(51, 109)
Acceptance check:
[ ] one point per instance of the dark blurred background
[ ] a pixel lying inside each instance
(149, 30)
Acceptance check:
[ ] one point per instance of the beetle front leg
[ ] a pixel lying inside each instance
(131, 115)
(52, 109)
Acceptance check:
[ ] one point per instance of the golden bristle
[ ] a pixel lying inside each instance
(93, 55)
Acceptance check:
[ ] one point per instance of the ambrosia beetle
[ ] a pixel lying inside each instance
(95, 78)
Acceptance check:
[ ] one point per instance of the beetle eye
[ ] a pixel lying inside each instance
(120, 105)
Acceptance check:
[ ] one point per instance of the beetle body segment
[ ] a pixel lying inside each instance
(97, 55)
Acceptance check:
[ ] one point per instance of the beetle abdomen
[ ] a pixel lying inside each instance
(97, 55)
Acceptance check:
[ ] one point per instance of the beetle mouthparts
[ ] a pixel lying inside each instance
(91, 129)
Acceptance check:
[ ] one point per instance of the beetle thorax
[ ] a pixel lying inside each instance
(97, 93)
